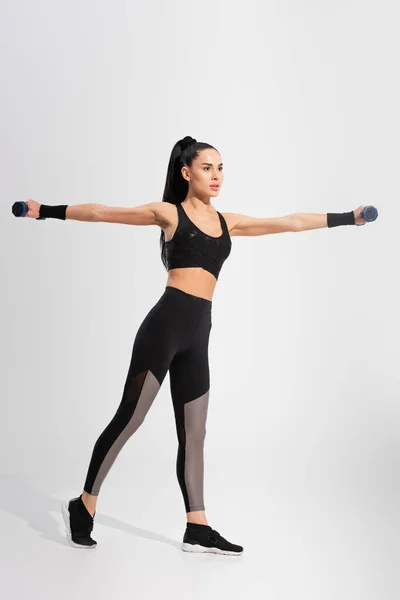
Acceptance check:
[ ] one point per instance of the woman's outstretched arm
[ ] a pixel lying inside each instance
(154, 213)
(245, 225)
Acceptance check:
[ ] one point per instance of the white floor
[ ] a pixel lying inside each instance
(295, 547)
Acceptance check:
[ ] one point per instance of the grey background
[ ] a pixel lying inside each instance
(302, 447)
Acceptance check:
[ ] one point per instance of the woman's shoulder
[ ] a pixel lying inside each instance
(231, 220)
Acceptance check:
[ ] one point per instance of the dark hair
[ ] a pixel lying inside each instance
(176, 187)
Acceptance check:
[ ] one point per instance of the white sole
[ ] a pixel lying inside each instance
(65, 514)
(201, 549)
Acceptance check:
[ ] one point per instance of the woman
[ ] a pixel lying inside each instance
(195, 242)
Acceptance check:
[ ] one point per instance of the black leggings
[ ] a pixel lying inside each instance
(173, 336)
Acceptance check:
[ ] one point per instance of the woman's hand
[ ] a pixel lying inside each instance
(34, 208)
(358, 220)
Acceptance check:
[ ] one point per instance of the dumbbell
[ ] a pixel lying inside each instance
(369, 213)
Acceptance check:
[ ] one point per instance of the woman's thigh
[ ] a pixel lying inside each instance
(189, 374)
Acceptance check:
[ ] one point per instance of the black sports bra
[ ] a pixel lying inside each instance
(191, 247)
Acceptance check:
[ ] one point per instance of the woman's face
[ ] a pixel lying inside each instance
(206, 171)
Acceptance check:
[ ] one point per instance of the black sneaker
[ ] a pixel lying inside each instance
(78, 523)
(201, 538)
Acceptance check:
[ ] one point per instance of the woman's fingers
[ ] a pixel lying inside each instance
(34, 209)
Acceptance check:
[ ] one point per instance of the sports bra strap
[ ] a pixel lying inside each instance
(224, 224)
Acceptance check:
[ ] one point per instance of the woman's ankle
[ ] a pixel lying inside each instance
(197, 516)
(90, 502)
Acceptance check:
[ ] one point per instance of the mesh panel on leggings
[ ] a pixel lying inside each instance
(136, 402)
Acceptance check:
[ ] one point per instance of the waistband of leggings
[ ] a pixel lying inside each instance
(203, 302)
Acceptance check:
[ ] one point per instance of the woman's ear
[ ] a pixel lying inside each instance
(185, 173)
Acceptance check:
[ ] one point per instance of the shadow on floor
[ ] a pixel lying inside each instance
(22, 499)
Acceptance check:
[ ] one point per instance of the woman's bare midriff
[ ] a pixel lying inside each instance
(193, 280)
